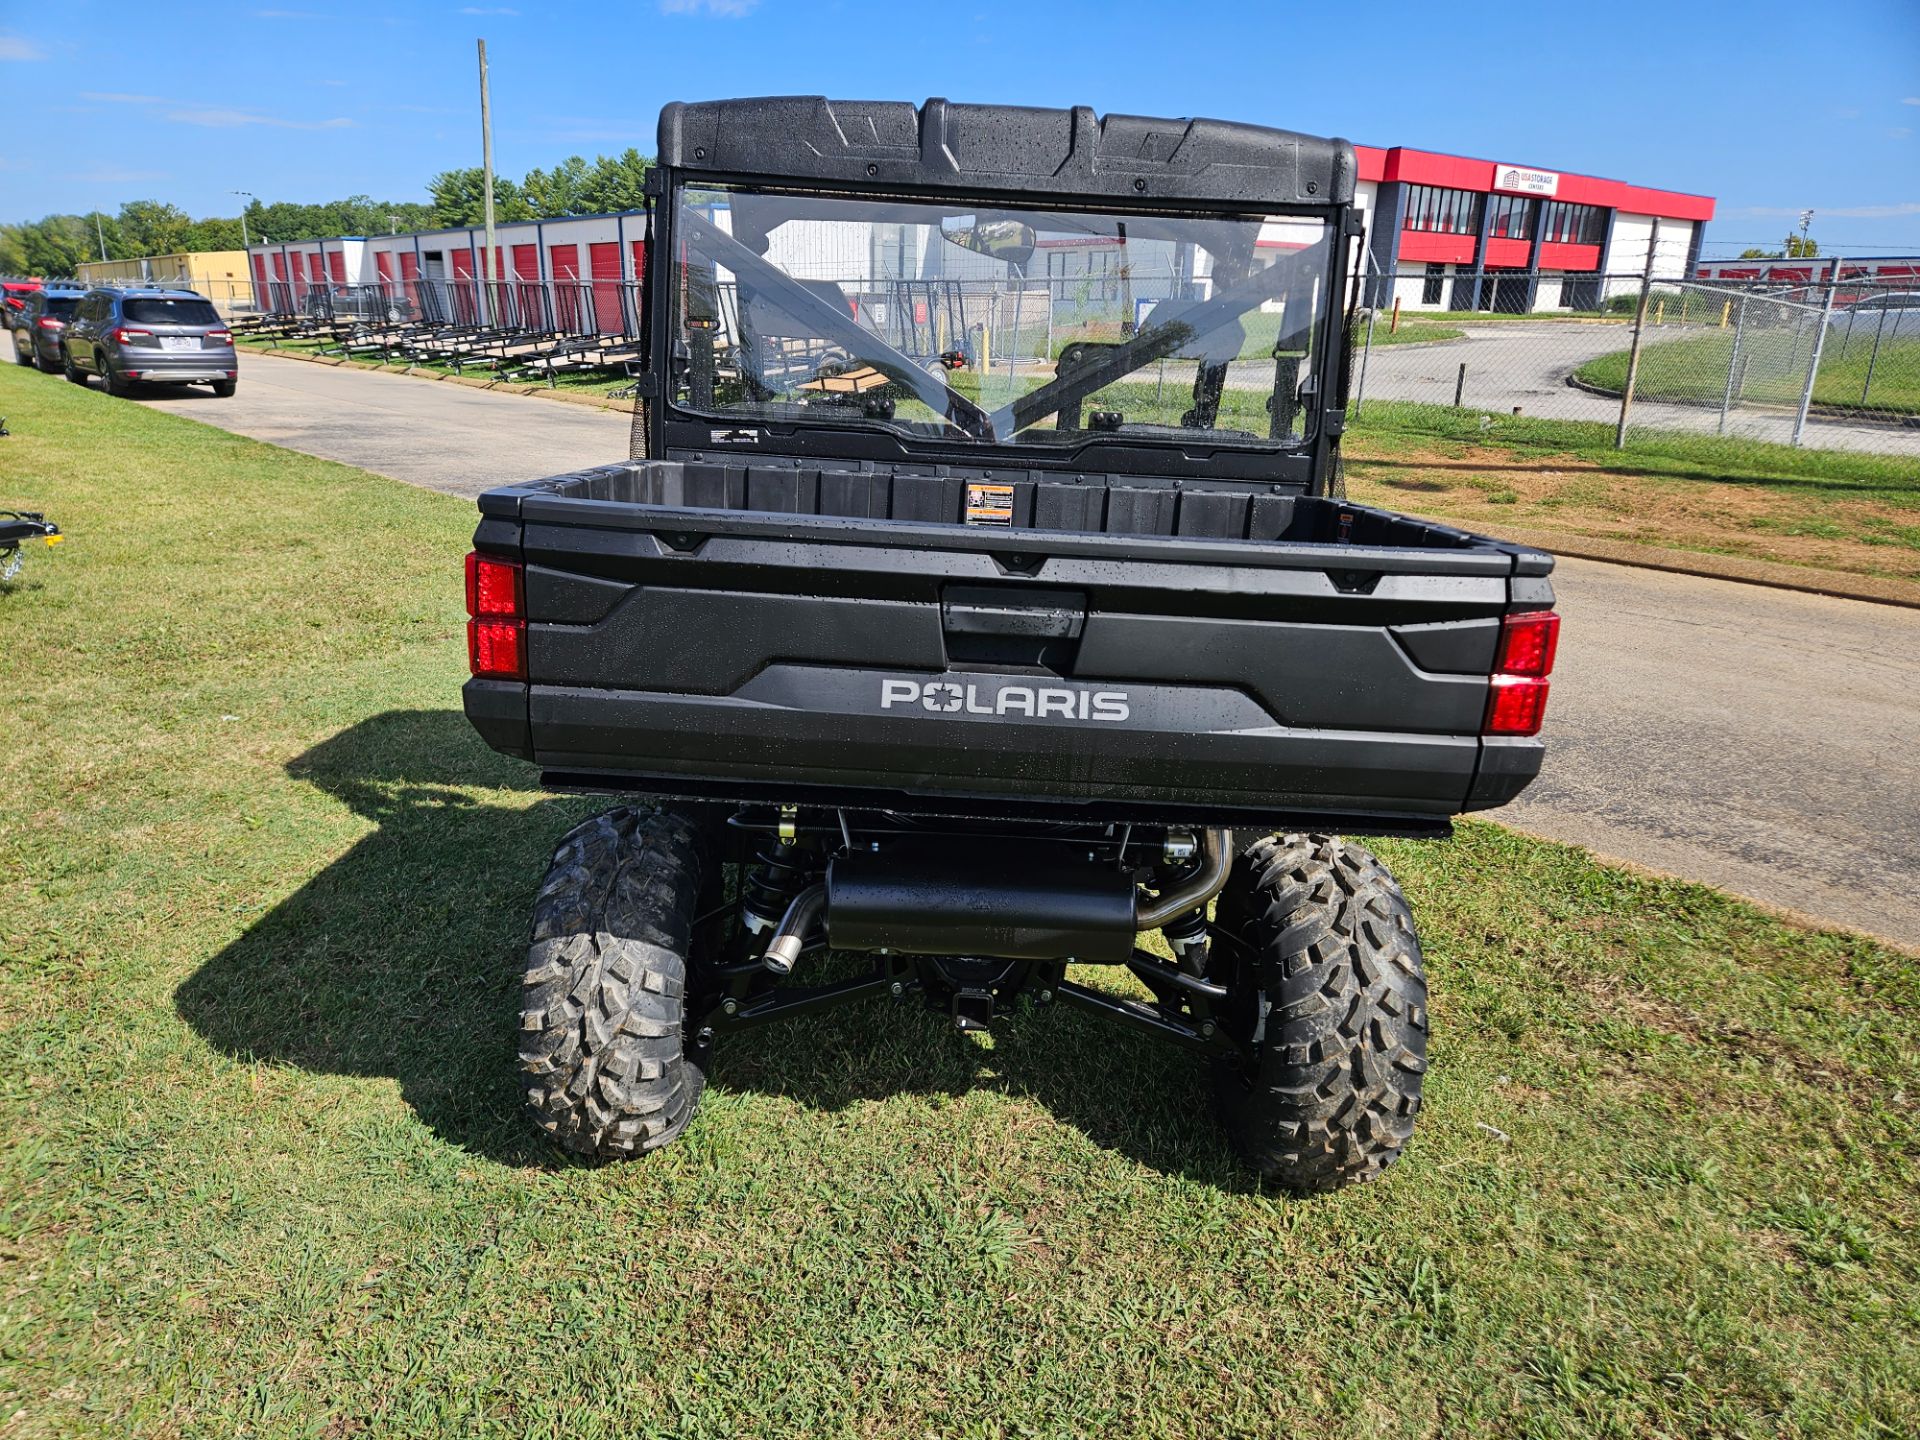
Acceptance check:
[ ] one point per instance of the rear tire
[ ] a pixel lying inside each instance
(1328, 992)
(70, 370)
(225, 388)
(116, 383)
(604, 1000)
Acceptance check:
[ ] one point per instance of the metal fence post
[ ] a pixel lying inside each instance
(1733, 365)
(1813, 364)
(1633, 353)
(1360, 389)
(1873, 358)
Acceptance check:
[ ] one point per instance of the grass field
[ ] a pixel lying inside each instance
(1834, 509)
(1693, 369)
(262, 896)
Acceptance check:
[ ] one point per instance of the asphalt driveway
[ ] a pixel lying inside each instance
(427, 432)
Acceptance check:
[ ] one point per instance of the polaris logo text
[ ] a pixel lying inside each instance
(1034, 702)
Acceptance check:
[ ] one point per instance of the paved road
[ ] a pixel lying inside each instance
(448, 437)
(1760, 740)
(1527, 364)
(1755, 739)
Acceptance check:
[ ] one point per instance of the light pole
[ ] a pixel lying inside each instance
(1806, 219)
(245, 243)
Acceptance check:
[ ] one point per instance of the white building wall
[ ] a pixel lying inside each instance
(1632, 234)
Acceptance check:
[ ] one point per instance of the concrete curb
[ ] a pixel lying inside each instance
(1839, 583)
(1875, 589)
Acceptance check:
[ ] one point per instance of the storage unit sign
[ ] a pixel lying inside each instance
(1518, 180)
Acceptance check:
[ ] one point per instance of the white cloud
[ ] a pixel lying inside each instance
(230, 119)
(1900, 132)
(287, 15)
(726, 9)
(487, 10)
(1911, 100)
(16, 47)
(115, 97)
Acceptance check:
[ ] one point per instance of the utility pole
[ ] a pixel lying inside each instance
(244, 241)
(486, 166)
(99, 235)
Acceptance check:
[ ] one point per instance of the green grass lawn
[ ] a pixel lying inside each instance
(1667, 452)
(1693, 369)
(262, 899)
(1485, 317)
(1832, 509)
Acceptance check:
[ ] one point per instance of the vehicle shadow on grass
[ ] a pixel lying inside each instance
(402, 958)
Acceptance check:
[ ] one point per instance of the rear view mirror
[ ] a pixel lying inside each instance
(1010, 242)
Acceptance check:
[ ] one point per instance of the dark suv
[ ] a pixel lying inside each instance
(40, 324)
(144, 334)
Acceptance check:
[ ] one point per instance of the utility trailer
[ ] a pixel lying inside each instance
(996, 670)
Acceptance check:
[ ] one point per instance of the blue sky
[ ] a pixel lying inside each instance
(1769, 107)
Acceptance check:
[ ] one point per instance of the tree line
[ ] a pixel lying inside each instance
(56, 244)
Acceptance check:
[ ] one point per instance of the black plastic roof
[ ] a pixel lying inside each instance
(1006, 149)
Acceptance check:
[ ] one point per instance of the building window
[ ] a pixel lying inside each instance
(1509, 217)
(1563, 223)
(1431, 287)
(1444, 212)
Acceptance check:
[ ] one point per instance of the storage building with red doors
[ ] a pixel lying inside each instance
(1443, 232)
(573, 275)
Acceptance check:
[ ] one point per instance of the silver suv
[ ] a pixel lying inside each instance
(136, 336)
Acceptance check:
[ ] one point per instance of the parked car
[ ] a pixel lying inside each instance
(1888, 316)
(41, 323)
(990, 678)
(13, 299)
(149, 335)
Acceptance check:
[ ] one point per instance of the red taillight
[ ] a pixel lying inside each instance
(1527, 643)
(47, 322)
(1517, 698)
(497, 649)
(1517, 705)
(125, 336)
(219, 335)
(497, 634)
(493, 586)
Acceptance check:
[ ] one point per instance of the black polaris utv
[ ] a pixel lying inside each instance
(982, 599)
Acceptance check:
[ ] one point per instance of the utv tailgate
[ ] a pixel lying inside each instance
(903, 663)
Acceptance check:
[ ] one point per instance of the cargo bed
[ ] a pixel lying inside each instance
(1120, 648)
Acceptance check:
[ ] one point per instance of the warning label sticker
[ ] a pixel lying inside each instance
(990, 505)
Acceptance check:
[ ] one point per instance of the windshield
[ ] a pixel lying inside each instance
(1030, 325)
(152, 311)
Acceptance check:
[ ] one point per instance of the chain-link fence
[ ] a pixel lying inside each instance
(1697, 365)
